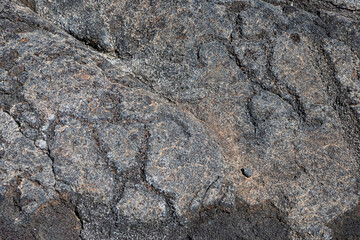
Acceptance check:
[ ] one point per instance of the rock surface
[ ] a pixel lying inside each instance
(179, 119)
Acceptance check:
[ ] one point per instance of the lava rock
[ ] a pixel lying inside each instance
(135, 119)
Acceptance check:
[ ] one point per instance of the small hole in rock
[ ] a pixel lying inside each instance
(295, 37)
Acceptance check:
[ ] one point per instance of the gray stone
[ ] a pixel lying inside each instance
(142, 205)
(140, 119)
(41, 144)
(247, 172)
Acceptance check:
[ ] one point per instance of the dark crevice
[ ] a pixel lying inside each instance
(207, 190)
(149, 83)
(118, 188)
(342, 103)
(343, 6)
(16, 201)
(49, 136)
(253, 119)
(198, 57)
(179, 122)
(45, 151)
(282, 90)
(169, 198)
(78, 216)
(235, 58)
(88, 42)
(52, 166)
(32, 22)
(102, 150)
(142, 78)
(272, 85)
(49, 28)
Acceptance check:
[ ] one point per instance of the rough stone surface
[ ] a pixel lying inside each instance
(179, 119)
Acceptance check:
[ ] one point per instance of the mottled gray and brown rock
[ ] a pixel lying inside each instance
(179, 119)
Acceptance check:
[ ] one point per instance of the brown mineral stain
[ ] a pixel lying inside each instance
(84, 76)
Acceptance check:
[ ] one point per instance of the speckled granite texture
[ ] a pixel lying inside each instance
(188, 119)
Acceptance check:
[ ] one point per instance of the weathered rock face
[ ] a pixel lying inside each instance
(179, 119)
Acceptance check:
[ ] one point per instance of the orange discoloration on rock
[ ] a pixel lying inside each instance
(84, 76)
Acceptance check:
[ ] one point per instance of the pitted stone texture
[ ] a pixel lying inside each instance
(140, 204)
(347, 4)
(54, 220)
(347, 71)
(307, 117)
(203, 89)
(127, 30)
(298, 54)
(122, 144)
(92, 115)
(181, 161)
(21, 161)
(77, 162)
(162, 46)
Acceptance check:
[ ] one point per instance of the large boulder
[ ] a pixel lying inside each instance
(179, 119)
